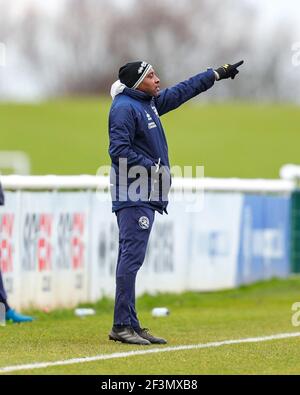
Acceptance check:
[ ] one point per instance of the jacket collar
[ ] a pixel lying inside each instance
(135, 94)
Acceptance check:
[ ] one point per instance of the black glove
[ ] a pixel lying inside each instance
(228, 71)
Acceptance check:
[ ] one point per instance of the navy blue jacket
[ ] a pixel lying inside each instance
(1, 196)
(136, 133)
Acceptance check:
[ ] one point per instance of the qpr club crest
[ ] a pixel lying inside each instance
(144, 222)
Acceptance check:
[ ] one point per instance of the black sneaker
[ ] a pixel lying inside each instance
(145, 334)
(127, 335)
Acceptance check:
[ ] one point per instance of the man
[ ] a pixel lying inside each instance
(10, 315)
(140, 176)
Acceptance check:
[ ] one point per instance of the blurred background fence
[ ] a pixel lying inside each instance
(59, 246)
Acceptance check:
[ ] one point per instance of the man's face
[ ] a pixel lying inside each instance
(150, 84)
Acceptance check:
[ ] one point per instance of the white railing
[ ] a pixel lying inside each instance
(81, 182)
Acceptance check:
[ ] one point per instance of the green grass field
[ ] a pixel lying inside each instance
(258, 310)
(234, 140)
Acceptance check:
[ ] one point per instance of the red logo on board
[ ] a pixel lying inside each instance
(44, 242)
(6, 242)
(77, 244)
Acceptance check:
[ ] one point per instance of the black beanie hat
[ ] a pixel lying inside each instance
(133, 73)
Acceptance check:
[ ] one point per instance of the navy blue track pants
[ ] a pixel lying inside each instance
(135, 224)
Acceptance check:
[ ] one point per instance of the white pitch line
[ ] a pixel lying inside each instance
(40, 365)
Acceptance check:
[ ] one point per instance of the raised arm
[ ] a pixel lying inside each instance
(173, 97)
